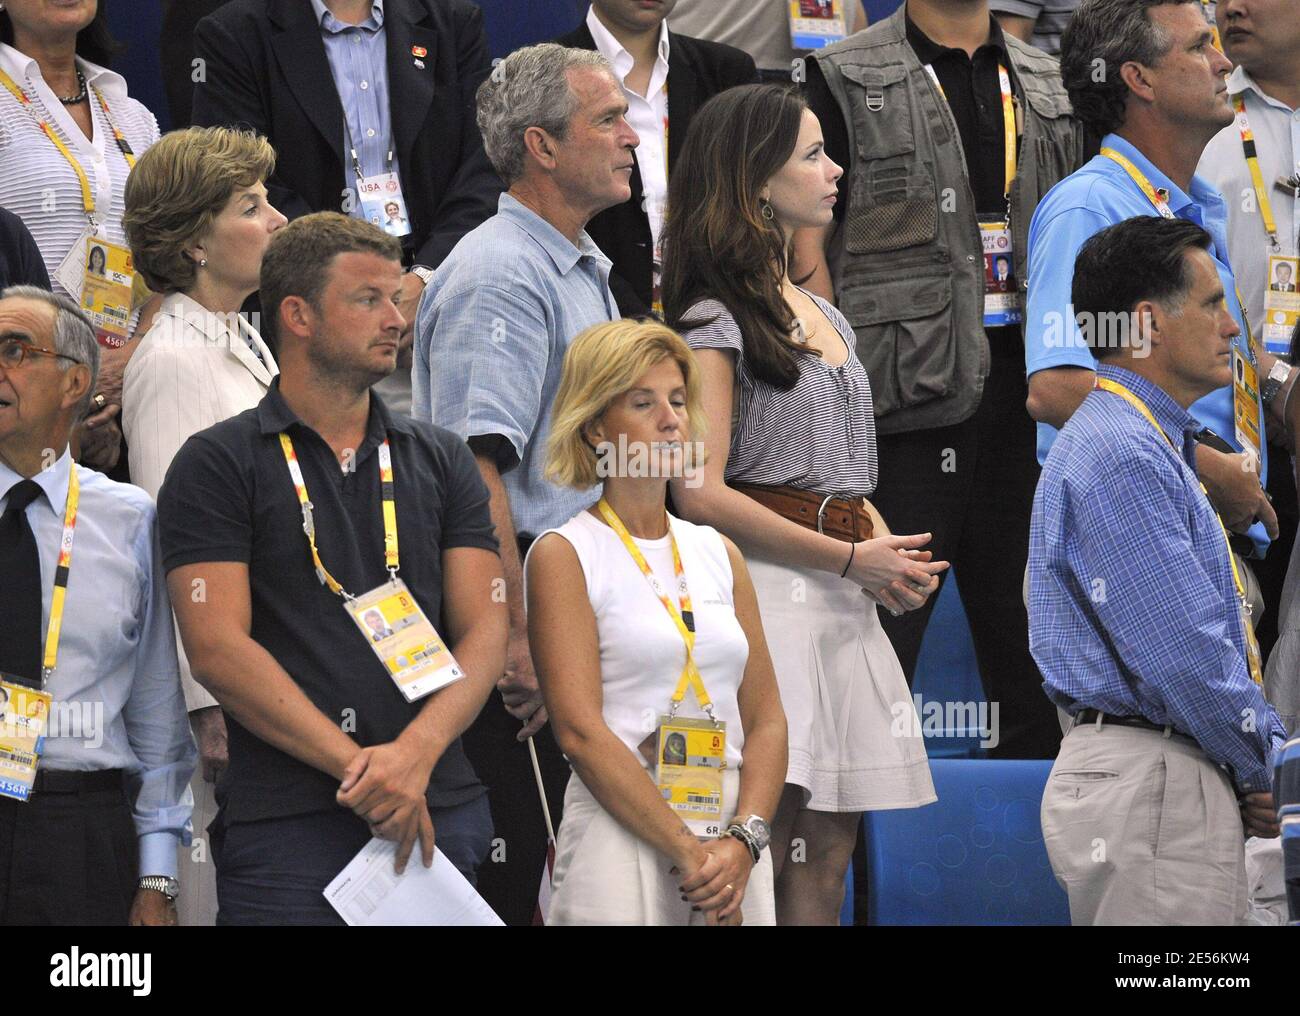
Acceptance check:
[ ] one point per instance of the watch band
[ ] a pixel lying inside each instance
(422, 273)
(1277, 377)
(169, 887)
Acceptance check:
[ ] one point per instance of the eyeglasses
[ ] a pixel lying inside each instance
(14, 351)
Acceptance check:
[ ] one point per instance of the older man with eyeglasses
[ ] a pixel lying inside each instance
(89, 837)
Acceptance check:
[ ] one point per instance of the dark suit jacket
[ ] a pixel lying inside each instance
(697, 71)
(176, 55)
(267, 69)
(21, 263)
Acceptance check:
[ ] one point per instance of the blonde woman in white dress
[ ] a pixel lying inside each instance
(613, 596)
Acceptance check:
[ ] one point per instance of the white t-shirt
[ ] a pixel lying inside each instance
(647, 115)
(641, 650)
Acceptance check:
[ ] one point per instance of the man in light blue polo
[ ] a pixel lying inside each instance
(1147, 76)
(491, 332)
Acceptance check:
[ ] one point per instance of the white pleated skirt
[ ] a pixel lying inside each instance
(605, 875)
(854, 737)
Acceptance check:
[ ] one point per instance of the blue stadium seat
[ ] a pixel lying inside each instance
(946, 672)
(975, 857)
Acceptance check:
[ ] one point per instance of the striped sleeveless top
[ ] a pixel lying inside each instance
(819, 435)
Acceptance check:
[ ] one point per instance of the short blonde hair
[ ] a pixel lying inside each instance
(178, 187)
(602, 363)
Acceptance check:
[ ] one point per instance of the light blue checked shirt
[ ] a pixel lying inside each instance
(490, 336)
(358, 59)
(1132, 608)
(117, 689)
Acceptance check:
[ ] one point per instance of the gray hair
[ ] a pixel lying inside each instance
(1101, 37)
(74, 335)
(529, 88)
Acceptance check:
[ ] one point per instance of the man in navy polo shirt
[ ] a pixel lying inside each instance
(325, 748)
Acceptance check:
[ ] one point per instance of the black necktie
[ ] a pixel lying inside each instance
(20, 586)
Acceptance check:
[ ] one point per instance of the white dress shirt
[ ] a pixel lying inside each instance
(1276, 128)
(117, 694)
(648, 115)
(189, 372)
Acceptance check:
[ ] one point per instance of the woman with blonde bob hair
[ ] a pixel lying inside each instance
(646, 638)
(198, 222)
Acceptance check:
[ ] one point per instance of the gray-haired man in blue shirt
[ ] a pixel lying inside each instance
(491, 332)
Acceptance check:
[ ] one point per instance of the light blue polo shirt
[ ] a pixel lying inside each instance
(490, 337)
(1098, 195)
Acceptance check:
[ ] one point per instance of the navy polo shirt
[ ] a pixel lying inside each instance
(228, 497)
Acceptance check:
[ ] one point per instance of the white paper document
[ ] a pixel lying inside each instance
(370, 894)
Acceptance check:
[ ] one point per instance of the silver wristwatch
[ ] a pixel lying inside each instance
(1277, 377)
(422, 273)
(169, 887)
(752, 831)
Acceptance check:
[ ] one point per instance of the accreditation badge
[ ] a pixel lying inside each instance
(102, 276)
(816, 23)
(1281, 303)
(1001, 293)
(689, 757)
(382, 203)
(24, 719)
(1245, 400)
(409, 647)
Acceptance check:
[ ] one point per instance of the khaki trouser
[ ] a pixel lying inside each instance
(1143, 829)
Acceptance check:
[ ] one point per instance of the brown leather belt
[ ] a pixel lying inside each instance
(843, 518)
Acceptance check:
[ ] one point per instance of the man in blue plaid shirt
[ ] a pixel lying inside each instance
(1134, 614)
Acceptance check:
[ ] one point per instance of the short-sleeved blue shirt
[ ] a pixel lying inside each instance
(1098, 195)
(490, 336)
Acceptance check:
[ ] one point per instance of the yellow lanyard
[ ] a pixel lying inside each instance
(1157, 198)
(680, 612)
(1132, 399)
(1256, 176)
(309, 525)
(87, 198)
(61, 572)
(1160, 201)
(1008, 125)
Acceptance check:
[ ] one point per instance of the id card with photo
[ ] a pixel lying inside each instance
(1281, 303)
(1245, 401)
(409, 647)
(1001, 290)
(689, 757)
(382, 203)
(24, 719)
(102, 275)
(816, 23)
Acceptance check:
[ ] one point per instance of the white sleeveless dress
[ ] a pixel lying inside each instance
(604, 874)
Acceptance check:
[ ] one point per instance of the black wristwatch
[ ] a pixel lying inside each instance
(1277, 377)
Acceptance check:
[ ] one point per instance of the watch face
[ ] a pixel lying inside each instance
(761, 830)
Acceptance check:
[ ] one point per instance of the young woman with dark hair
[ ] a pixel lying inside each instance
(790, 461)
